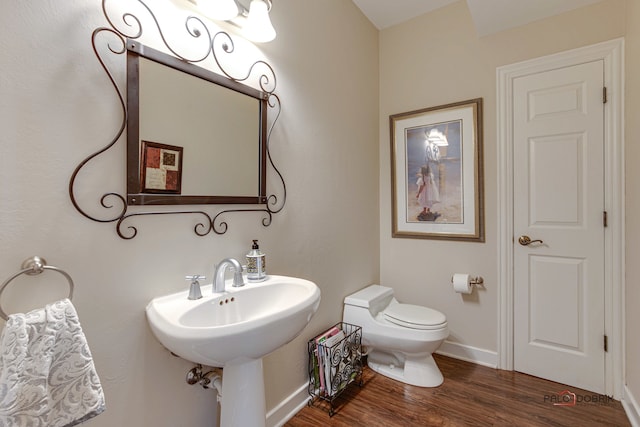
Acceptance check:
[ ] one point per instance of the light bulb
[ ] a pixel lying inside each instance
(258, 27)
(222, 10)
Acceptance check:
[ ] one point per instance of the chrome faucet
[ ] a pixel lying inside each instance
(218, 277)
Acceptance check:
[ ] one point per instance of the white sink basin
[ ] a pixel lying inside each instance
(235, 327)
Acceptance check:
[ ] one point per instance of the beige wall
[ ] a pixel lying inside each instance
(58, 107)
(438, 59)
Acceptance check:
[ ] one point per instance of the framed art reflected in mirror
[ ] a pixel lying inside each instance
(161, 168)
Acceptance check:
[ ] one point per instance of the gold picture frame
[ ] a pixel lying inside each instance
(437, 186)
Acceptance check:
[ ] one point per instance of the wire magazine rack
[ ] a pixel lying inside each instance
(334, 363)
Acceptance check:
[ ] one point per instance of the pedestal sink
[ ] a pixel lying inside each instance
(234, 330)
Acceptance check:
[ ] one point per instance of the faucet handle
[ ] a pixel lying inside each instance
(195, 277)
(194, 289)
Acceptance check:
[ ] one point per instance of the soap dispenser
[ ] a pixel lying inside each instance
(256, 266)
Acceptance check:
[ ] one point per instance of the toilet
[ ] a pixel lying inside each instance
(400, 338)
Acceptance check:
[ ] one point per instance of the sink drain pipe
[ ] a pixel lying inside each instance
(210, 379)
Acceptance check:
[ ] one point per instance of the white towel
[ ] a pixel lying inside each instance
(47, 375)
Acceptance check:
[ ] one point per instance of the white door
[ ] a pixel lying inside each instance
(558, 134)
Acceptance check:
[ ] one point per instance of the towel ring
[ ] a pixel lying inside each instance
(34, 266)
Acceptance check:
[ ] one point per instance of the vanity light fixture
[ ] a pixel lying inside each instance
(258, 27)
(254, 22)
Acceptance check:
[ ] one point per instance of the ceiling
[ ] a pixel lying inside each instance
(489, 16)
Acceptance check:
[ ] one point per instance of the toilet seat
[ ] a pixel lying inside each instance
(415, 316)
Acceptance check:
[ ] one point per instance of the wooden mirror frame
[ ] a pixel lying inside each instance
(135, 193)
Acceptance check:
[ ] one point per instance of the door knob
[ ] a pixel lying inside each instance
(526, 240)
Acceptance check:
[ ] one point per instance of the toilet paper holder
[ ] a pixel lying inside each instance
(476, 281)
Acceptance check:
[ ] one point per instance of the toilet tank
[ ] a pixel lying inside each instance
(374, 298)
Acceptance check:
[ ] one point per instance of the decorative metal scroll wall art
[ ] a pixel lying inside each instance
(219, 45)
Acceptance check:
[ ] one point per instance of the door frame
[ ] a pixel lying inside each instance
(612, 53)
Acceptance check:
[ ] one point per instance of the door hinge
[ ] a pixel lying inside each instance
(605, 221)
(604, 95)
(606, 343)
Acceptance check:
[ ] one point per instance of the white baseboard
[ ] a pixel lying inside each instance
(468, 353)
(631, 407)
(288, 407)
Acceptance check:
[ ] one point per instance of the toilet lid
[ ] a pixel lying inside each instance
(415, 316)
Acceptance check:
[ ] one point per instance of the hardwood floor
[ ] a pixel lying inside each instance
(471, 395)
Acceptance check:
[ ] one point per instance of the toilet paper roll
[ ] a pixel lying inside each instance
(462, 283)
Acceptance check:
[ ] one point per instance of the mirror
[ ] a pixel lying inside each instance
(193, 136)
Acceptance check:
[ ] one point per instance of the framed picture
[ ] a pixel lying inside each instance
(161, 168)
(436, 172)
